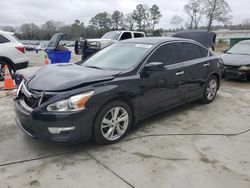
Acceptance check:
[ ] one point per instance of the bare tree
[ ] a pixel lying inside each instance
(129, 22)
(177, 21)
(246, 21)
(217, 10)
(194, 10)
(29, 31)
(155, 15)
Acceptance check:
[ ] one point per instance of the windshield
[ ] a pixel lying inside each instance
(113, 35)
(122, 56)
(240, 48)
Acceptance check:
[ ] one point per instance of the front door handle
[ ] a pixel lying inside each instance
(179, 73)
(206, 64)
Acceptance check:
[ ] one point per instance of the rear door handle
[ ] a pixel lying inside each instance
(206, 64)
(179, 73)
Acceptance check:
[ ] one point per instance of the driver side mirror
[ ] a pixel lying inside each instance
(225, 51)
(154, 66)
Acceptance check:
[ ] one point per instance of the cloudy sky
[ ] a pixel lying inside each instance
(17, 12)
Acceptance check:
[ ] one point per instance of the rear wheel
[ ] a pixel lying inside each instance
(112, 122)
(210, 90)
(2, 64)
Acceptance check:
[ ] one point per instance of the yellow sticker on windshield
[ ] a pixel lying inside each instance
(143, 46)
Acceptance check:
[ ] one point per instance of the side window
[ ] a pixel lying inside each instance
(190, 51)
(3, 39)
(138, 35)
(167, 54)
(126, 35)
(204, 52)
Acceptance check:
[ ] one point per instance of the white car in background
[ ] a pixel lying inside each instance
(12, 53)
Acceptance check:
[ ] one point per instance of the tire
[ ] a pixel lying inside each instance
(2, 64)
(107, 130)
(210, 90)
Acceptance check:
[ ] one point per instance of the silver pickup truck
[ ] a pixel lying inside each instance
(87, 47)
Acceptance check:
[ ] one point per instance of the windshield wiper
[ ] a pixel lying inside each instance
(92, 67)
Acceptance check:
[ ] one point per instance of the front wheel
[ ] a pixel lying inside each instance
(210, 90)
(112, 122)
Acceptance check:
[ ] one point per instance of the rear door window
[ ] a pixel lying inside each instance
(190, 51)
(3, 39)
(138, 35)
(167, 54)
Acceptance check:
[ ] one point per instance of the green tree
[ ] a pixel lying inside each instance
(117, 19)
(138, 15)
(155, 16)
(77, 29)
(101, 21)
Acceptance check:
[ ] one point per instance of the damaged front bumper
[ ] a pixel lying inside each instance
(36, 122)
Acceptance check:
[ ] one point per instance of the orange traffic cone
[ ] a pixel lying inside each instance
(46, 60)
(8, 82)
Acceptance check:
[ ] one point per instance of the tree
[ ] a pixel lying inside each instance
(49, 29)
(177, 21)
(246, 22)
(101, 21)
(217, 10)
(77, 29)
(138, 15)
(194, 10)
(117, 19)
(129, 22)
(8, 28)
(29, 31)
(155, 15)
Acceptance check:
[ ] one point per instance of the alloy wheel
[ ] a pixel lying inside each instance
(115, 123)
(211, 89)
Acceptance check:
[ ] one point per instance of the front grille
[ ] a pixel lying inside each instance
(33, 98)
(229, 67)
(31, 101)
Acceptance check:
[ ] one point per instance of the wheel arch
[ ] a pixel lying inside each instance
(8, 61)
(122, 98)
(218, 76)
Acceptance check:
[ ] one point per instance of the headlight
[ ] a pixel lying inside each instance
(245, 68)
(74, 103)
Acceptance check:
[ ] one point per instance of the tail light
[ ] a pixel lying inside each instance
(21, 49)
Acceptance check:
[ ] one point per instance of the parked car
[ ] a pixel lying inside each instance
(90, 46)
(12, 53)
(237, 61)
(102, 97)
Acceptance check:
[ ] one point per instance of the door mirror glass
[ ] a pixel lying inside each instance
(154, 66)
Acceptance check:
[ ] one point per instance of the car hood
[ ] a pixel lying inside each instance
(236, 59)
(63, 77)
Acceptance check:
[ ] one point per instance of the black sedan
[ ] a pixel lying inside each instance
(237, 61)
(102, 97)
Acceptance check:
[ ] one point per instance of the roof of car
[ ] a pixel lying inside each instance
(154, 40)
(245, 42)
(5, 32)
